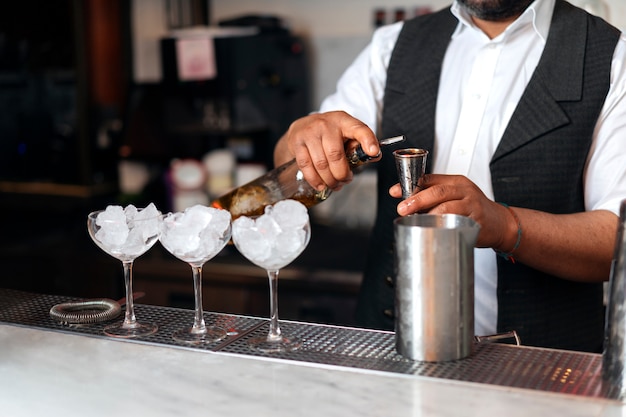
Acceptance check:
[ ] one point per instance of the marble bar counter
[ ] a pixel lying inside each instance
(48, 369)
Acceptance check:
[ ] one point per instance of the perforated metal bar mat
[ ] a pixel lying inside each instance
(496, 364)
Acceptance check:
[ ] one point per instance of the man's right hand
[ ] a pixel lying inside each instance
(317, 142)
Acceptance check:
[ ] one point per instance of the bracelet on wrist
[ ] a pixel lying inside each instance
(509, 255)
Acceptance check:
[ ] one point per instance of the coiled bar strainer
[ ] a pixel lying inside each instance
(85, 312)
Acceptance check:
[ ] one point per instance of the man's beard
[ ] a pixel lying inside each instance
(495, 10)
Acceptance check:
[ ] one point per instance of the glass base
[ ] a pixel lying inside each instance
(266, 344)
(188, 335)
(127, 331)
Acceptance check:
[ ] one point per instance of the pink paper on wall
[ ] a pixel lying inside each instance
(195, 59)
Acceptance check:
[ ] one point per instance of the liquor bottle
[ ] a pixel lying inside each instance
(286, 182)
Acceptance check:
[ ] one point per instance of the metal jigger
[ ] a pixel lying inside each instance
(614, 355)
(411, 166)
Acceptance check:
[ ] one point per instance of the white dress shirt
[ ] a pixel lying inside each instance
(482, 81)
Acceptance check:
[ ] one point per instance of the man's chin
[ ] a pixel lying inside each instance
(495, 10)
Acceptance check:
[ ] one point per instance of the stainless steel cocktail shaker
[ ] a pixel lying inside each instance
(614, 355)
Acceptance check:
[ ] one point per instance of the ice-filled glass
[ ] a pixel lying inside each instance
(126, 233)
(195, 236)
(272, 241)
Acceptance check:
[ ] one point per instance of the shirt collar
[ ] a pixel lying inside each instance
(539, 14)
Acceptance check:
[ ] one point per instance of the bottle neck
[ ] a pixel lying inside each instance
(358, 157)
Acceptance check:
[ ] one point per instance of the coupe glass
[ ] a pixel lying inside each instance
(126, 234)
(272, 241)
(196, 236)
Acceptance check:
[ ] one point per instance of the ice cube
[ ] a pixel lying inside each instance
(146, 221)
(198, 216)
(290, 214)
(220, 221)
(250, 241)
(268, 227)
(113, 230)
(111, 213)
(130, 212)
(196, 234)
(275, 238)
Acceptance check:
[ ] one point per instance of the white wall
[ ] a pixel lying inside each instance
(335, 29)
(148, 26)
(615, 10)
(320, 17)
(339, 29)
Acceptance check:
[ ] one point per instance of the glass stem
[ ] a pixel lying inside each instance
(198, 321)
(129, 317)
(274, 333)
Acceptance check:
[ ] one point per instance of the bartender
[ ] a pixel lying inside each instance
(522, 105)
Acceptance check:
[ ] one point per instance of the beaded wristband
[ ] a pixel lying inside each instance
(509, 255)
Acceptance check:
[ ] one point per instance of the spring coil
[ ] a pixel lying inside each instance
(88, 311)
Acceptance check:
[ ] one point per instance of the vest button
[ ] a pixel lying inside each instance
(389, 281)
(388, 312)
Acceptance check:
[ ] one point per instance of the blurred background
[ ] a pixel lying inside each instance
(175, 102)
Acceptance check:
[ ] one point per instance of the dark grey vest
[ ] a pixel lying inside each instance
(538, 164)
